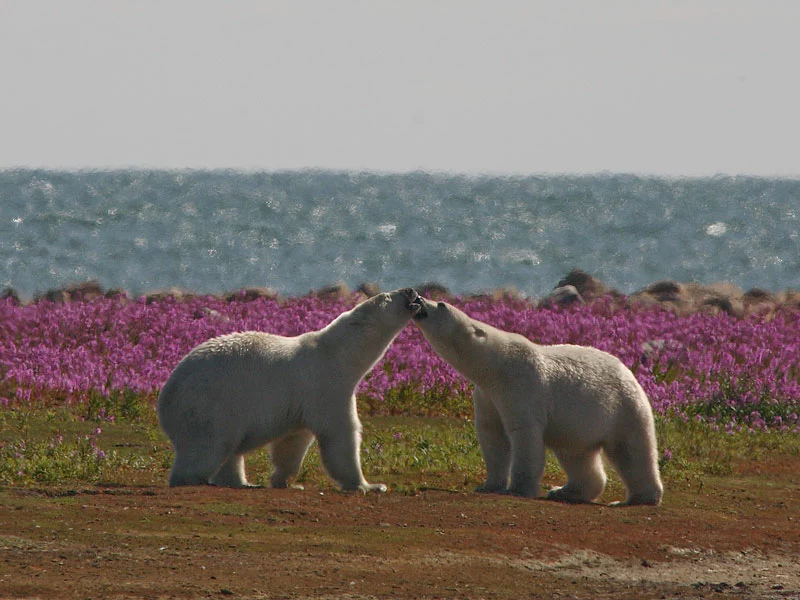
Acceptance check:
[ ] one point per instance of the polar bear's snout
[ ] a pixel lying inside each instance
(422, 310)
(412, 300)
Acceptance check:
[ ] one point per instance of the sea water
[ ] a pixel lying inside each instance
(215, 231)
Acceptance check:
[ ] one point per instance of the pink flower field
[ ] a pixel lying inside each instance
(734, 373)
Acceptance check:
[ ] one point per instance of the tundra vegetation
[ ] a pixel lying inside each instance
(79, 382)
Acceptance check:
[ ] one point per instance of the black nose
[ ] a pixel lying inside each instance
(411, 295)
(422, 311)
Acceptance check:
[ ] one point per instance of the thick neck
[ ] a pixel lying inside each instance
(355, 348)
(448, 353)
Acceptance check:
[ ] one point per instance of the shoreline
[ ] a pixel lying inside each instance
(577, 287)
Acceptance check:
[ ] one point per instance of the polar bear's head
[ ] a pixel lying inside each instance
(383, 314)
(455, 336)
(391, 307)
(362, 335)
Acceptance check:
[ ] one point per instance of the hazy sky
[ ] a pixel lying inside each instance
(680, 88)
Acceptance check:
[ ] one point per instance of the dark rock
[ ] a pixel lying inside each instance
(85, 291)
(117, 294)
(664, 291)
(789, 299)
(336, 291)
(588, 286)
(717, 304)
(562, 296)
(174, 293)
(250, 294)
(369, 289)
(10, 296)
(688, 298)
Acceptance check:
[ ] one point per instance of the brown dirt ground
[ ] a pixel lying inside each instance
(736, 536)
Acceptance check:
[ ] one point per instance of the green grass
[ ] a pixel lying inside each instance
(83, 445)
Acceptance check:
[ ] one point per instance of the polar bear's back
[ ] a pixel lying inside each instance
(579, 363)
(265, 346)
(220, 359)
(231, 377)
(592, 385)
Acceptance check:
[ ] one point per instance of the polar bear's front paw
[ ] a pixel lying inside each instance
(646, 500)
(489, 488)
(372, 487)
(562, 494)
(525, 485)
(523, 492)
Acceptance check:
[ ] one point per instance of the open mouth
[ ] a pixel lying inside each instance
(414, 303)
(412, 298)
(421, 311)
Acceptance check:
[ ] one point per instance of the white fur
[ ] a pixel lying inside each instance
(574, 400)
(238, 392)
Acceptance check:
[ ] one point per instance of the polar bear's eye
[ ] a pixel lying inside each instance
(440, 305)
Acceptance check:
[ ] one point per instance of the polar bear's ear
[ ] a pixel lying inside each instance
(385, 300)
(479, 332)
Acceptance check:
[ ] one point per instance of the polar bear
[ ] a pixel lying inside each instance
(575, 400)
(237, 392)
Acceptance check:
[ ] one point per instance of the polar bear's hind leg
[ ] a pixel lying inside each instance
(191, 470)
(287, 456)
(637, 465)
(586, 478)
(231, 473)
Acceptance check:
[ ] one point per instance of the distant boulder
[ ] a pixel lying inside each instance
(10, 296)
(564, 295)
(760, 301)
(174, 293)
(117, 294)
(688, 298)
(250, 294)
(588, 286)
(789, 299)
(368, 290)
(333, 292)
(86, 291)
